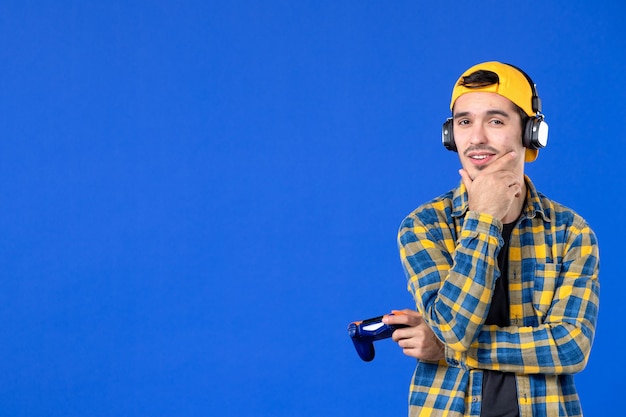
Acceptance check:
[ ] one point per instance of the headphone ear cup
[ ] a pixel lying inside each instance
(446, 135)
(535, 133)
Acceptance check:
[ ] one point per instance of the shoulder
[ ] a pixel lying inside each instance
(434, 211)
(561, 214)
(554, 214)
(568, 227)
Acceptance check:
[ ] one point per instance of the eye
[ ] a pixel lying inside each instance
(496, 122)
(463, 122)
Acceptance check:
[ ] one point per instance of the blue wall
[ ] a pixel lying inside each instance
(197, 197)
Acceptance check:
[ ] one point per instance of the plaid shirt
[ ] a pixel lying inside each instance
(450, 257)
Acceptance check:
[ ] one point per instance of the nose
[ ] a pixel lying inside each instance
(477, 134)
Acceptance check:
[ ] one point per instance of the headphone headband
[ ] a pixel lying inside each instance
(535, 100)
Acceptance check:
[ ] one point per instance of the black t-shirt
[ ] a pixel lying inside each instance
(499, 388)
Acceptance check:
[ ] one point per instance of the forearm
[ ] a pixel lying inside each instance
(559, 345)
(562, 349)
(452, 286)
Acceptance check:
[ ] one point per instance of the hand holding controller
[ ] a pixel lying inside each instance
(364, 333)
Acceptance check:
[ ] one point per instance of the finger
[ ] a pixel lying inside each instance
(403, 334)
(407, 317)
(406, 343)
(502, 163)
(397, 336)
(467, 180)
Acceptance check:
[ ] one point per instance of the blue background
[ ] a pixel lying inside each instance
(198, 197)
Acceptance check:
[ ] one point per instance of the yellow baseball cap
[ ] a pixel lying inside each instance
(512, 84)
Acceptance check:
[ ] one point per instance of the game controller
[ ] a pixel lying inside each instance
(364, 333)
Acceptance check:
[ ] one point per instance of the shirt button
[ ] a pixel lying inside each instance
(474, 399)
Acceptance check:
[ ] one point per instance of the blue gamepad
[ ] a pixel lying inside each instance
(364, 333)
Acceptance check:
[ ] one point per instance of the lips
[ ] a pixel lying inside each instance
(480, 158)
(480, 154)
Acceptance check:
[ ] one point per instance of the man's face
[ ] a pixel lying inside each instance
(486, 127)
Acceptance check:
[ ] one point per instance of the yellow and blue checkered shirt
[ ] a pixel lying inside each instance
(450, 258)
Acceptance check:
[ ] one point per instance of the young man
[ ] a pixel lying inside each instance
(505, 280)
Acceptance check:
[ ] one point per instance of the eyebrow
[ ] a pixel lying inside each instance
(489, 113)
